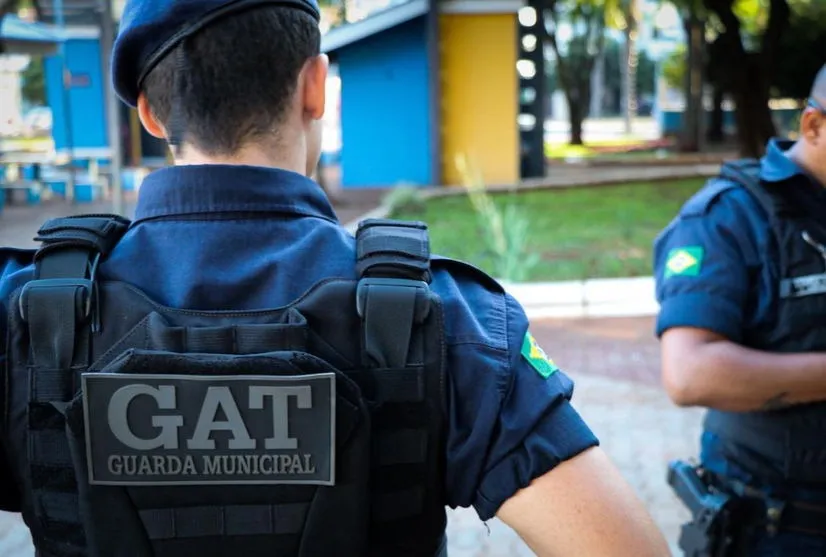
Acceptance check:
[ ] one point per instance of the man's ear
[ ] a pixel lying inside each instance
(315, 86)
(153, 127)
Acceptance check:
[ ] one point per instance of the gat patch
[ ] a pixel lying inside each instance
(684, 262)
(535, 356)
(202, 430)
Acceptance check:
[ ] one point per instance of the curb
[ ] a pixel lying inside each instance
(651, 175)
(619, 297)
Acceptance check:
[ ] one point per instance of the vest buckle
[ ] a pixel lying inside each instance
(395, 285)
(45, 289)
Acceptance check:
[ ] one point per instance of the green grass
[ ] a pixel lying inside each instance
(579, 233)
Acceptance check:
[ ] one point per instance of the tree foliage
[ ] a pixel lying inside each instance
(6, 7)
(341, 11)
(613, 59)
(802, 49)
(575, 60)
(674, 67)
(746, 59)
(34, 83)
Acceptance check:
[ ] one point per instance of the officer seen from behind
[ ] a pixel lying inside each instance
(741, 278)
(155, 406)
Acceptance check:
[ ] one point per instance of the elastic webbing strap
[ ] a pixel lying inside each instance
(58, 307)
(228, 520)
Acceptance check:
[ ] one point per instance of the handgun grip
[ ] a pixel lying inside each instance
(683, 479)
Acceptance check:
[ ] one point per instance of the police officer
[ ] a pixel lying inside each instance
(154, 406)
(741, 279)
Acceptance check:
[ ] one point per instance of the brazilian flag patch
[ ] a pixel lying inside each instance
(684, 262)
(531, 351)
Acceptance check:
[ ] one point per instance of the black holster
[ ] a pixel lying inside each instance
(717, 524)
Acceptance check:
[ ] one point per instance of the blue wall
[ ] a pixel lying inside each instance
(385, 108)
(85, 96)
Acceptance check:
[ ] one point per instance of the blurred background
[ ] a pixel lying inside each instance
(545, 141)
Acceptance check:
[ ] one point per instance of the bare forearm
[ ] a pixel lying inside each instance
(727, 376)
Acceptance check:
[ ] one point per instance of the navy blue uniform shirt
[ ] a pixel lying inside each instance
(220, 237)
(715, 267)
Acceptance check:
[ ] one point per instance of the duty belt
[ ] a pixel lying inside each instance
(780, 514)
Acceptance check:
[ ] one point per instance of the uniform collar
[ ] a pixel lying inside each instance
(775, 166)
(199, 189)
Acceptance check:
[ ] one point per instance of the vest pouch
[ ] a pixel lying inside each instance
(216, 454)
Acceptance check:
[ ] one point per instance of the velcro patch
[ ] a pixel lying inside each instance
(798, 287)
(536, 357)
(207, 430)
(684, 262)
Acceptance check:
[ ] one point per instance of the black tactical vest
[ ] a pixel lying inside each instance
(787, 446)
(309, 430)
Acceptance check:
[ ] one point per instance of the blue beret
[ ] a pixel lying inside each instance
(150, 29)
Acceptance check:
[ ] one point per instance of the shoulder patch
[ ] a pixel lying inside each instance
(701, 202)
(159, 430)
(686, 261)
(536, 357)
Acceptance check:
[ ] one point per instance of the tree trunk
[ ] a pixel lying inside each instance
(753, 116)
(629, 68)
(626, 85)
(690, 139)
(629, 81)
(598, 86)
(716, 133)
(750, 73)
(576, 115)
(576, 77)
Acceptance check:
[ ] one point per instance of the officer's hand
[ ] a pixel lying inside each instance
(583, 507)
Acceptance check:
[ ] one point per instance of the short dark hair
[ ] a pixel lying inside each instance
(239, 76)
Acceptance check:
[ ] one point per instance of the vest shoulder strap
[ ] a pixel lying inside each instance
(746, 172)
(393, 294)
(59, 309)
(60, 300)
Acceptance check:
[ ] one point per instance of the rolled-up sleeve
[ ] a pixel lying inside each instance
(702, 264)
(510, 415)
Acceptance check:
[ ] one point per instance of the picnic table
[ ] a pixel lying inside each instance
(28, 177)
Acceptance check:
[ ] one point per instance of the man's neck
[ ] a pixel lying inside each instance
(247, 156)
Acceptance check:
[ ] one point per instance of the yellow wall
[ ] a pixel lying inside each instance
(479, 91)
